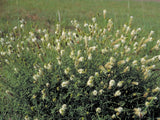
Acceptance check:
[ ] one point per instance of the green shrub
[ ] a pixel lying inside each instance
(91, 72)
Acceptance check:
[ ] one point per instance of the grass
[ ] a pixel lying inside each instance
(47, 13)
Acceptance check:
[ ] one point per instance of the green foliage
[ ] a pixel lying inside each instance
(91, 72)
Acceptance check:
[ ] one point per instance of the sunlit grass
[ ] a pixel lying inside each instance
(46, 13)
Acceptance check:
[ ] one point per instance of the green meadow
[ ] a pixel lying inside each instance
(47, 13)
(44, 15)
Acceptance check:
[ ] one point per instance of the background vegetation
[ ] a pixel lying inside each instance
(46, 13)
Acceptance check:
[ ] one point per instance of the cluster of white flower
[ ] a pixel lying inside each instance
(75, 23)
(43, 94)
(63, 109)
(98, 110)
(111, 83)
(65, 84)
(118, 110)
(117, 52)
(90, 81)
(139, 112)
(117, 93)
(48, 66)
(38, 75)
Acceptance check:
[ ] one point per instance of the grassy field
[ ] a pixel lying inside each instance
(46, 13)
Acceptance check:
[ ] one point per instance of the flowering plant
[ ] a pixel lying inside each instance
(89, 73)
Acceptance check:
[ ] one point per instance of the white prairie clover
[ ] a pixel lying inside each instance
(72, 77)
(96, 74)
(36, 77)
(98, 110)
(81, 71)
(63, 109)
(134, 63)
(89, 56)
(117, 93)
(119, 109)
(147, 104)
(90, 81)
(48, 66)
(26, 117)
(64, 106)
(81, 59)
(94, 19)
(135, 83)
(66, 71)
(127, 69)
(104, 13)
(113, 116)
(120, 83)
(101, 91)
(95, 92)
(65, 84)
(121, 62)
(47, 84)
(139, 112)
(111, 83)
(157, 89)
(152, 98)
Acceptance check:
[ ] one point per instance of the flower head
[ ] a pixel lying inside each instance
(157, 89)
(65, 84)
(117, 93)
(81, 71)
(90, 81)
(111, 83)
(94, 19)
(98, 110)
(72, 77)
(63, 109)
(120, 83)
(139, 112)
(95, 92)
(119, 109)
(66, 71)
(81, 59)
(147, 103)
(104, 13)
